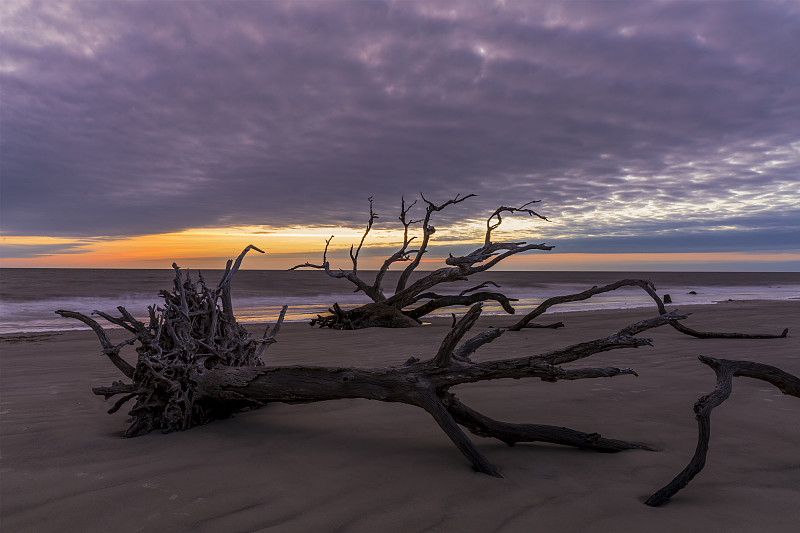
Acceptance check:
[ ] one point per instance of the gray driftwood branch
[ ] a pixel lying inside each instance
(650, 289)
(726, 370)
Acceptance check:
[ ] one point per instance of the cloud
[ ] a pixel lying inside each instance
(628, 119)
(24, 251)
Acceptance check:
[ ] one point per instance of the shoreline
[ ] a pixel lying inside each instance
(357, 465)
(28, 299)
(556, 310)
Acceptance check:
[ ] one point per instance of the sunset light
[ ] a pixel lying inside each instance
(482, 223)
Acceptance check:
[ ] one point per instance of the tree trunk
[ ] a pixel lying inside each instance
(372, 315)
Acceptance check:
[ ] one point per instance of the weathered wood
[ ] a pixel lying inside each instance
(554, 325)
(109, 349)
(426, 384)
(427, 231)
(194, 331)
(195, 364)
(443, 357)
(405, 302)
(371, 315)
(650, 289)
(725, 370)
(513, 433)
(405, 294)
(437, 301)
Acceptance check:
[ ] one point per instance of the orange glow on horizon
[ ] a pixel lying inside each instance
(636, 261)
(210, 249)
(199, 248)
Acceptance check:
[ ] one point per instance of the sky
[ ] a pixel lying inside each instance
(655, 135)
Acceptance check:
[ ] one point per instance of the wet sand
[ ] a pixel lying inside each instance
(365, 466)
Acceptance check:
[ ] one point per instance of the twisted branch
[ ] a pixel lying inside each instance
(726, 370)
(650, 289)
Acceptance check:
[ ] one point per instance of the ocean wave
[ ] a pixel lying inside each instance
(39, 315)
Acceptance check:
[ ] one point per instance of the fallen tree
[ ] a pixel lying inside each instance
(405, 307)
(196, 363)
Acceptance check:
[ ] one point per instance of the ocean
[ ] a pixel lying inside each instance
(29, 297)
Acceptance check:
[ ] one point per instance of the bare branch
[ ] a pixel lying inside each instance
(117, 387)
(403, 254)
(512, 251)
(434, 406)
(427, 231)
(114, 320)
(354, 257)
(650, 289)
(325, 265)
(373, 291)
(108, 348)
(224, 286)
(476, 287)
(268, 339)
(443, 356)
(352, 276)
(407, 294)
(727, 335)
(491, 226)
(229, 272)
(726, 370)
(511, 434)
(463, 352)
(545, 366)
(438, 301)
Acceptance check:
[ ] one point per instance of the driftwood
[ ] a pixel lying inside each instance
(649, 288)
(194, 332)
(726, 370)
(196, 364)
(412, 301)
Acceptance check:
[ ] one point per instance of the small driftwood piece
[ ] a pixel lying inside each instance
(726, 370)
(196, 364)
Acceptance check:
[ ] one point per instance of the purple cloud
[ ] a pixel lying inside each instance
(628, 119)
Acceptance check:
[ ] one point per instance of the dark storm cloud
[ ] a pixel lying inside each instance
(628, 119)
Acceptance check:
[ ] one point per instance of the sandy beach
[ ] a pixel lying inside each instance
(364, 466)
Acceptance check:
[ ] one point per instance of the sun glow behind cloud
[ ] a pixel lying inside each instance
(209, 248)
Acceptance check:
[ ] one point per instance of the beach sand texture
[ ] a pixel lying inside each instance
(365, 466)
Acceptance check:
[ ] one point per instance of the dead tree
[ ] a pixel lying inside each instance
(196, 363)
(726, 370)
(411, 301)
(405, 307)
